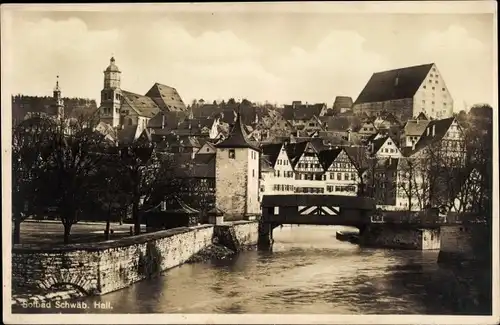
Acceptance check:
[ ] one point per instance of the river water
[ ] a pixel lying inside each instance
(309, 271)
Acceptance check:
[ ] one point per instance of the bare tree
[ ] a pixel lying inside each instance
(29, 155)
(74, 154)
(150, 175)
(408, 183)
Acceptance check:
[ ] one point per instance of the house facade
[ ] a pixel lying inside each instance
(309, 173)
(341, 174)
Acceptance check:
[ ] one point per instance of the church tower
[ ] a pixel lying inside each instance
(237, 163)
(111, 95)
(58, 101)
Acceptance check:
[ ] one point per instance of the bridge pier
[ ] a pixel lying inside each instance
(265, 240)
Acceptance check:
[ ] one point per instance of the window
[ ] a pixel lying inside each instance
(253, 172)
(437, 76)
(423, 101)
(431, 75)
(443, 89)
(430, 81)
(436, 82)
(232, 154)
(331, 175)
(278, 173)
(425, 86)
(432, 103)
(433, 88)
(346, 176)
(339, 176)
(353, 176)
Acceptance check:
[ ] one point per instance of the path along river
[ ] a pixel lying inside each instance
(309, 271)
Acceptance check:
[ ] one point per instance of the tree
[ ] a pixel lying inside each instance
(150, 175)
(74, 153)
(110, 190)
(29, 156)
(408, 185)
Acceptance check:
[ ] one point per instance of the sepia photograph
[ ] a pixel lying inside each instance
(279, 162)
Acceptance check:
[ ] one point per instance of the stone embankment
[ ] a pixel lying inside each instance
(55, 273)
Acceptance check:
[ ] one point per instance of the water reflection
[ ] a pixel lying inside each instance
(309, 271)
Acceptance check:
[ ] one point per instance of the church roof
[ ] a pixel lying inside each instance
(143, 105)
(237, 138)
(169, 120)
(394, 84)
(166, 97)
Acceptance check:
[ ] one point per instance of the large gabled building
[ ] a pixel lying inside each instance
(406, 93)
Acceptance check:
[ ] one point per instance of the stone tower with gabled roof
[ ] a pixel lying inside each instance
(237, 174)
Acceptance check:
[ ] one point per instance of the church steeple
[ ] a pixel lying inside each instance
(111, 95)
(58, 101)
(112, 75)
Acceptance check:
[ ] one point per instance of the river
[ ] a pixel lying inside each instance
(309, 271)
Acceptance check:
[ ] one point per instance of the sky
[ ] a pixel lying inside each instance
(274, 55)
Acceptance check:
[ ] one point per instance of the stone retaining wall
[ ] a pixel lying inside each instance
(99, 268)
(394, 236)
(103, 267)
(467, 243)
(237, 234)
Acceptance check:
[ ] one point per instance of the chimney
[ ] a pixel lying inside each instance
(413, 146)
(434, 130)
(162, 121)
(348, 135)
(396, 82)
(428, 131)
